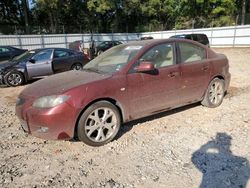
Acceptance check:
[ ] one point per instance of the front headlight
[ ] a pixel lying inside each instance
(50, 101)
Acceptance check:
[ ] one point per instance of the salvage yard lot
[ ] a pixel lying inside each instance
(159, 151)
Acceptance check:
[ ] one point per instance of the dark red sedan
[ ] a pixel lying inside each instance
(127, 82)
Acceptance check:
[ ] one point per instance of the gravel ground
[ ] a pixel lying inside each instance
(188, 147)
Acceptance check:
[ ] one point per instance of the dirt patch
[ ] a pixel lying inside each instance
(187, 147)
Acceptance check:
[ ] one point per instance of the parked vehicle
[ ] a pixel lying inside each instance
(103, 46)
(147, 38)
(201, 38)
(127, 82)
(77, 45)
(9, 52)
(38, 63)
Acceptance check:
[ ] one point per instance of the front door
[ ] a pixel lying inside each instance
(41, 65)
(195, 69)
(154, 91)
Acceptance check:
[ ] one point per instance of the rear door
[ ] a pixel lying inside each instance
(62, 60)
(152, 92)
(195, 69)
(42, 64)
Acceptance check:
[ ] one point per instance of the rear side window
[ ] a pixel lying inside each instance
(61, 54)
(191, 53)
(204, 39)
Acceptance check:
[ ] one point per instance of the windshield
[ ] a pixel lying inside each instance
(113, 60)
(23, 56)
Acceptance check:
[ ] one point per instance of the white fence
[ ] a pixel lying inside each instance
(234, 36)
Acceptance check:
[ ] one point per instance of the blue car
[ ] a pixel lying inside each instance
(39, 63)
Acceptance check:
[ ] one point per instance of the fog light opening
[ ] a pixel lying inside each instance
(43, 129)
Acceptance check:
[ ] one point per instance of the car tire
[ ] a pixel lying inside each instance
(99, 52)
(76, 66)
(99, 124)
(214, 94)
(14, 78)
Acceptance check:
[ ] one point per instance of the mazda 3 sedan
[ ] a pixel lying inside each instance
(127, 82)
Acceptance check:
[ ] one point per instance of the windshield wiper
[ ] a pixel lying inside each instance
(93, 70)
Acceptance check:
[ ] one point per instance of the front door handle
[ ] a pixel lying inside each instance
(205, 68)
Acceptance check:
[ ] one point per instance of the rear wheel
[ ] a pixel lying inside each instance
(14, 78)
(76, 66)
(214, 94)
(99, 124)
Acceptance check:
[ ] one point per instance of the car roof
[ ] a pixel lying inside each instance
(40, 49)
(6, 46)
(153, 42)
(188, 34)
(156, 41)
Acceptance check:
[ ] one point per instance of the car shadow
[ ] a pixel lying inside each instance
(126, 127)
(220, 168)
(32, 81)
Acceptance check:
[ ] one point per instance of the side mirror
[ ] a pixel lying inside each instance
(32, 61)
(145, 66)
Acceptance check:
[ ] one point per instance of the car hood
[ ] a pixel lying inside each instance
(5, 64)
(10, 63)
(62, 82)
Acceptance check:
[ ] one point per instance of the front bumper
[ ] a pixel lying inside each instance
(52, 124)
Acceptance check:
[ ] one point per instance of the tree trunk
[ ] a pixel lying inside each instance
(26, 17)
(243, 15)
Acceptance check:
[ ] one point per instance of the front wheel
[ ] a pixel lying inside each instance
(14, 78)
(214, 94)
(99, 124)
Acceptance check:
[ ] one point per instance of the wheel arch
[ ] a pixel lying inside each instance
(111, 100)
(19, 70)
(24, 72)
(212, 78)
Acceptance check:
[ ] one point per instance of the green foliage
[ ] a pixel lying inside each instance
(120, 15)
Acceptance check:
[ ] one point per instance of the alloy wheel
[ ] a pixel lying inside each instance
(216, 92)
(14, 79)
(101, 124)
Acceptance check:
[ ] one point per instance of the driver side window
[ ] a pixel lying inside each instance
(43, 55)
(161, 55)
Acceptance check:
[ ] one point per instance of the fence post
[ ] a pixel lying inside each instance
(42, 41)
(235, 29)
(65, 40)
(212, 30)
(112, 36)
(19, 41)
(83, 40)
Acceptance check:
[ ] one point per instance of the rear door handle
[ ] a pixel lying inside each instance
(173, 74)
